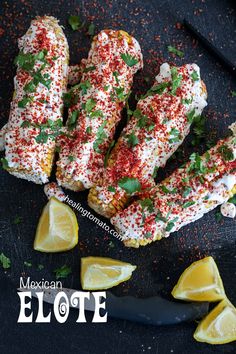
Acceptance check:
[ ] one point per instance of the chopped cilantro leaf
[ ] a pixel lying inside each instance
(195, 76)
(167, 190)
(233, 93)
(71, 158)
(232, 200)
(89, 105)
(176, 80)
(108, 152)
(73, 119)
(4, 163)
(28, 264)
(75, 22)
(91, 29)
(173, 50)
(132, 139)
(128, 59)
(188, 204)
(89, 68)
(116, 74)
(101, 135)
(160, 217)
(5, 261)
(147, 235)
(226, 152)
(190, 116)
(147, 204)
(111, 189)
(130, 185)
(174, 135)
(186, 191)
(17, 220)
(171, 224)
(155, 172)
(62, 272)
(23, 103)
(40, 266)
(88, 130)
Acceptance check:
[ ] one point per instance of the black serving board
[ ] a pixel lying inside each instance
(155, 24)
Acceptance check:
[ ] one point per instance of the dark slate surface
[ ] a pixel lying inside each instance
(155, 25)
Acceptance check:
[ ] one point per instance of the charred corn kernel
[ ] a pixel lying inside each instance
(96, 108)
(204, 183)
(36, 108)
(158, 127)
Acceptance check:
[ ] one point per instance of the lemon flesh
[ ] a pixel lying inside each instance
(201, 281)
(219, 326)
(98, 273)
(57, 229)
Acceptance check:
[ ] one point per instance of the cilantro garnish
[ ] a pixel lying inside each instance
(71, 158)
(142, 119)
(28, 264)
(128, 59)
(4, 162)
(130, 185)
(175, 51)
(73, 119)
(226, 152)
(233, 93)
(75, 22)
(190, 116)
(187, 100)
(111, 189)
(84, 86)
(100, 136)
(171, 224)
(17, 220)
(116, 74)
(188, 204)
(218, 216)
(89, 105)
(108, 152)
(132, 139)
(157, 89)
(89, 68)
(5, 261)
(91, 29)
(62, 272)
(40, 266)
(147, 235)
(120, 93)
(176, 80)
(198, 129)
(23, 103)
(160, 217)
(174, 135)
(233, 199)
(88, 130)
(155, 172)
(147, 204)
(186, 191)
(167, 190)
(195, 76)
(97, 113)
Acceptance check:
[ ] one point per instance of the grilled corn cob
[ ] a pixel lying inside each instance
(36, 108)
(112, 62)
(204, 183)
(158, 127)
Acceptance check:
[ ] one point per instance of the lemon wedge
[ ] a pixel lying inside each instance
(57, 229)
(219, 326)
(98, 273)
(201, 281)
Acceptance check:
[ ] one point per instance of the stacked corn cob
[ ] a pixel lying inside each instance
(190, 192)
(158, 127)
(105, 85)
(36, 108)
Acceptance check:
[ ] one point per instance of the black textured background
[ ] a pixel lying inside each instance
(153, 23)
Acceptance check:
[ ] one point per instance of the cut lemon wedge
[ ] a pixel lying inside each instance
(57, 229)
(219, 326)
(201, 281)
(98, 273)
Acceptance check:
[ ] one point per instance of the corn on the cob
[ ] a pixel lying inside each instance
(36, 108)
(158, 127)
(113, 60)
(204, 183)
